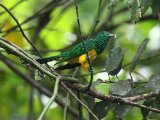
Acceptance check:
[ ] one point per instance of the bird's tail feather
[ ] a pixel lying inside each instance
(68, 66)
(47, 59)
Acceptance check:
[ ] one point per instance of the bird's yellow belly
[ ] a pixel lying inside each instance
(83, 59)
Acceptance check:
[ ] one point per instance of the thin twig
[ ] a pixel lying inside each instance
(67, 99)
(19, 26)
(111, 98)
(51, 100)
(88, 58)
(139, 8)
(14, 6)
(66, 106)
(78, 87)
(15, 50)
(145, 59)
(97, 19)
(30, 115)
(130, 74)
(79, 97)
(33, 83)
(80, 106)
(76, 98)
(132, 11)
(35, 15)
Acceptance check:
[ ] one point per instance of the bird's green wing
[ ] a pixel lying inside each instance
(77, 50)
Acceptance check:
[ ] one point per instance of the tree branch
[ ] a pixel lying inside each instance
(12, 49)
(115, 99)
(78, 87)
(35, 84)
(24, 35)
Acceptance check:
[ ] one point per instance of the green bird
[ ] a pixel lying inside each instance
(76, 56)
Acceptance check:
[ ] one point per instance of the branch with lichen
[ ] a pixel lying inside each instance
(70, 82)
(27, 59)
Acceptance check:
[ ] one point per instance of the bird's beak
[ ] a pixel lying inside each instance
(113, 35)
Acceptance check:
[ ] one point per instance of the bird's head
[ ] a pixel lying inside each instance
(101, 41)
(104, 35)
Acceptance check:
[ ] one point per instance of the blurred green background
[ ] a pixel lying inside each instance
(52, 26)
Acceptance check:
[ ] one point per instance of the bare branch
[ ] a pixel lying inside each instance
(88, 58)
(35, 84)
(115, 99)
(76, 98)
(19, 26)
(11, 48)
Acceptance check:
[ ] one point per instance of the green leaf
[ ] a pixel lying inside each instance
(141, 89)
(154, 83)
(139, 7)
(156, 7)
(102, 108)
(97, 82)
(145, 112)
(154, 102)
(145, 4)
(154, 116)
(120, 110)
(138, 54)
(135, 11)
(121, 88)
(89, 100)
(114, 61)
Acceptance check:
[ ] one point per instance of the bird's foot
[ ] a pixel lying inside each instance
(91, 70)
(88, 57)
(90, 83)
(86, 89)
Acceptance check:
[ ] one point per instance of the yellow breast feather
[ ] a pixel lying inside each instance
(83, 59)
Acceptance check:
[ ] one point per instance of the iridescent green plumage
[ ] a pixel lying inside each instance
(98, 44)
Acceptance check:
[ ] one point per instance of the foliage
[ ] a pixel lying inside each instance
(131, 58)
